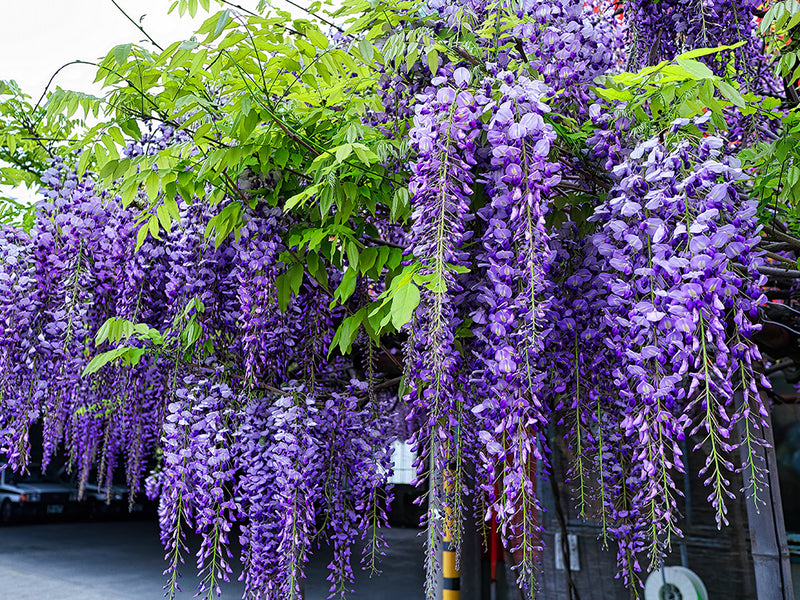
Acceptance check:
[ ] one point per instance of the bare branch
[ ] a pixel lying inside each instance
(137, 25)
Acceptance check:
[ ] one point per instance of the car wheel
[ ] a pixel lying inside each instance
(5, 512)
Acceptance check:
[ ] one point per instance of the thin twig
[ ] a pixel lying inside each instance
(782, 237)
(49, 83)
(773, 271)
(384, 243)
(274, 390)
(49, 139)
(137, 25)
(470, 58)
(241, 8)
(779, 246)
(315, 15)
(254, 14)
(388, 383)
(778, 366)
(780, 258)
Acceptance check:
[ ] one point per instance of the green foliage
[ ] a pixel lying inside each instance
(681, 88)
(779, 26)
(264, 94)
(270, 94)
(131, 341)
(776, 168)
(29, 137)
(256, 95)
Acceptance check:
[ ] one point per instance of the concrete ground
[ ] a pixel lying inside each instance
(124, 561)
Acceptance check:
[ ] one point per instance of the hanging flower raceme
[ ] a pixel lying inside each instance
(679, 241)
(570, 44)
(357, 455)
(445, 134)
(194, 481)
(579, 382)
(265, 332)
(510, 297)
(280, 455)
(20, 302)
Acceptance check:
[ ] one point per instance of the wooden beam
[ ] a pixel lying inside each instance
(768, 543)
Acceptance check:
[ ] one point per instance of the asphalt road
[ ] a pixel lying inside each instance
(124, 561)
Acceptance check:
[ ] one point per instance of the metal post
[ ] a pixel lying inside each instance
(451, 585)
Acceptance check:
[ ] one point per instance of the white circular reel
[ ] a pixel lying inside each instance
(674, 583)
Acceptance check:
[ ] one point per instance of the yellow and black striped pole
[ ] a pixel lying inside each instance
(451, 585)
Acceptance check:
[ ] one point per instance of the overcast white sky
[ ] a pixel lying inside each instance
(38, 36)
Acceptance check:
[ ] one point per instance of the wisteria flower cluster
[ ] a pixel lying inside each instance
(575, 278)
(509, 313)
(226, 356)
(679, 244)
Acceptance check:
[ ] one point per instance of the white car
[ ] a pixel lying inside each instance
(31, 494)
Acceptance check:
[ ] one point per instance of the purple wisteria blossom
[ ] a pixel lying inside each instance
(581, 271)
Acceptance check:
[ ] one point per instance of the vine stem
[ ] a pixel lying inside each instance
(137, 25)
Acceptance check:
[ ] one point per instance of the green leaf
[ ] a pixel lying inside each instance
(367, 259)
(793, 21)
(131, 127)
(405, 301)
(433, 60)
(284, 292)
(117, 136)
(102, 333)
(164, 218)
(172, 208)
(295, 277)
(83, 162)
(352, 254)
(141, 235)
(695, 68)
(395, 258)
(101, 360)
(288, 283)
(191, 333)
(319, 39)
(153, 227)
(697, 52)
(152, 186)
(224, 17)
(343, 151)
(731, 93)
(400, 202)
(613, 94)
(364, 154)
(366, 50)
(347, 332)
(347, 286)
(121, 53)
(133, 356)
